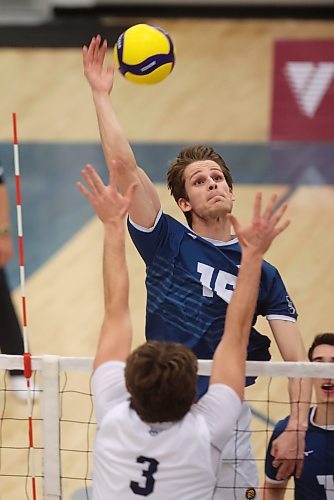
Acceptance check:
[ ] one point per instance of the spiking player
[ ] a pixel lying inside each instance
(191, 273)
(316, 481)
(152, 439)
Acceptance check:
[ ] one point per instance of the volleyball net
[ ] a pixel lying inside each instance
(64, 425)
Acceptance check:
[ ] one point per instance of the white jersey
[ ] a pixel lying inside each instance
(133, 459)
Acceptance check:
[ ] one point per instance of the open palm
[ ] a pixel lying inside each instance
(93, 56)
(263, 228)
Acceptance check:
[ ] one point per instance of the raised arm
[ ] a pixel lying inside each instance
(111, 207)
(145, 204)
(230, 356)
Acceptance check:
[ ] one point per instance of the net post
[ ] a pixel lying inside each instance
(51, 431)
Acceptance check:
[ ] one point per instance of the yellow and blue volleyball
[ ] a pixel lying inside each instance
(144, 54)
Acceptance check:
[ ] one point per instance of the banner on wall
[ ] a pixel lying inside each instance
(303, 91)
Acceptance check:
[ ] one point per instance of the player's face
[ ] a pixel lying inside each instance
(209, 195)
(324, 388)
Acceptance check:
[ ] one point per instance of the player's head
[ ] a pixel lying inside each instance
(161, 378)
(176, 176)
(321, 339)
(322, 350)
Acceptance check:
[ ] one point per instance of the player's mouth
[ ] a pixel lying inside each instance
(217, 197)
(328, 388)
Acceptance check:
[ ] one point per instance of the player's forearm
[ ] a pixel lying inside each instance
(115, 144)
(300, 392)
(4, 207)
(242, 306)
(115, 273)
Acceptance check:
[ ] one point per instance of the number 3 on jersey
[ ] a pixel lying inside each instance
(148, 487)
(223, 286)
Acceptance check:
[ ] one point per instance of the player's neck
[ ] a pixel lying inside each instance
(324, 414)
(215, 229)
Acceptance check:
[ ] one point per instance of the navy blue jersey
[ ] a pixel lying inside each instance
(190, 281)
(317, 479)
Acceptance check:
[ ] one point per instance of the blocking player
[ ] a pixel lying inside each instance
(152, 438)
(317, 478)
(191, 273)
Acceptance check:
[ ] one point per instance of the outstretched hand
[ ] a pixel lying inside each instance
(263, 229)
(100, 79)
(109, 205)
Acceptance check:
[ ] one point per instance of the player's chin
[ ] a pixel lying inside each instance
(219, 208)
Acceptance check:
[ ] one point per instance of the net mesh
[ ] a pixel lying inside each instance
(64, 423)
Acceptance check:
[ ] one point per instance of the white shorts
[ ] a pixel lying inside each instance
(238, 475)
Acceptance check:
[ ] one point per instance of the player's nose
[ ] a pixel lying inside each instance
(212, 184)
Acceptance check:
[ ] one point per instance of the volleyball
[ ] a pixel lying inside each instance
(144, 54)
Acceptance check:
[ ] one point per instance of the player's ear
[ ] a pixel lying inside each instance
(184, 205)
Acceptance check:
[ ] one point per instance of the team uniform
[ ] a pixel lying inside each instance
(190, 281)
(134, 459)
(317, 479)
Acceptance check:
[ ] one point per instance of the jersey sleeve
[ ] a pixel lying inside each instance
(220, 407)
(108, 387)
(278, 304)
(148, 240)
(270, 470)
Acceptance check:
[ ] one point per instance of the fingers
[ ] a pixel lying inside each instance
(285, 469)
(282, 227)
(130, 191)
(93, 180)
(96, 47)
(279, 213)
(95, 51)
(102, 52)
(83, 190)
(270, 207)
(257, 205)
(270, 214)
(88, 52)
(299, 467)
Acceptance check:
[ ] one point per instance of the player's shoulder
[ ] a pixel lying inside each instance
(269, 268)
(176, 223)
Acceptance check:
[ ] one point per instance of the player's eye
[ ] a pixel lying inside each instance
(198, 181)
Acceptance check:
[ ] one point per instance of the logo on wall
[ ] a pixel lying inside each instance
(309, 82)
(303, 90)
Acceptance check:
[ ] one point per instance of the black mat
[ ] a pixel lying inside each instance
(74, 27)
(59, 33)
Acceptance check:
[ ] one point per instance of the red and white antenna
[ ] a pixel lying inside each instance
(27, 355)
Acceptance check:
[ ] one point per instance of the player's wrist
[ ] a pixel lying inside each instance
(252, 254)
(100, 95)
(297, 426)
